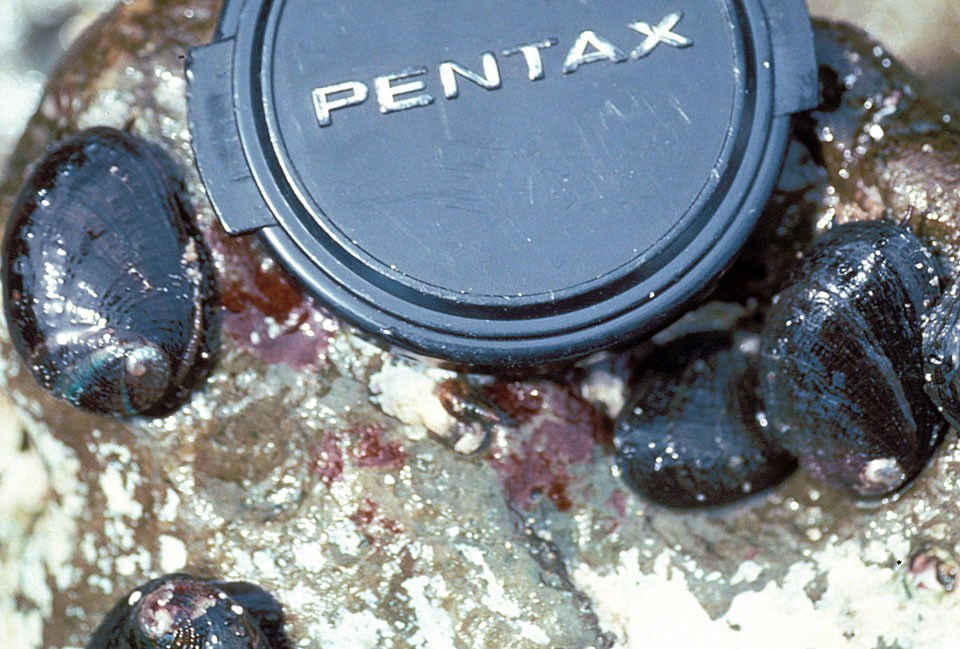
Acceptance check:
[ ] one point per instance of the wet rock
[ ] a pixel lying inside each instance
(888, 144)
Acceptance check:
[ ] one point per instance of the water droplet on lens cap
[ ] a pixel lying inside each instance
(500, 183)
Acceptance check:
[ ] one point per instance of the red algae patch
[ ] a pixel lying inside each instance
(326, 459)
(618, 502)
(521, 401)
(361, 446)
(557, 429)
(372, 526)
(370, 449)
(265, 312)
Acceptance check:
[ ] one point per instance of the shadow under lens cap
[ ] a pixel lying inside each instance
(500, 183)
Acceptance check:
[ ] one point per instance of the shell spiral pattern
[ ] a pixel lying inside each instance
(109, 288)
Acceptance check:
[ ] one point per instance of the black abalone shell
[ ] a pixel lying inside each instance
(842, 362)
(692, 435)
(941, 351)
(108, 287)
(180, 612)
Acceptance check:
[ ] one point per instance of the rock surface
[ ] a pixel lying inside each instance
(387, 504)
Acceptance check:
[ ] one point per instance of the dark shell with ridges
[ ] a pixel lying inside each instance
(180, 612)
(941, 353)
(109, 291)
(692, 434)
(842, 362)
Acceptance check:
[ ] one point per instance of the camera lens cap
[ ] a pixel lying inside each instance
(500, 182)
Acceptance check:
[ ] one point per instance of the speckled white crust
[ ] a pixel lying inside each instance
(21, 502)
(861, 605)
(38, 522)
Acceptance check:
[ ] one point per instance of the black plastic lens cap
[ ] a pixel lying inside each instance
(500, 182)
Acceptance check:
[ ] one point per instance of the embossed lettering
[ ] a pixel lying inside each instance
(354, 92)
(405, 90)
(449, 70)
(531, 53)
(602, 50)
(387, 92)
(661, 33)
